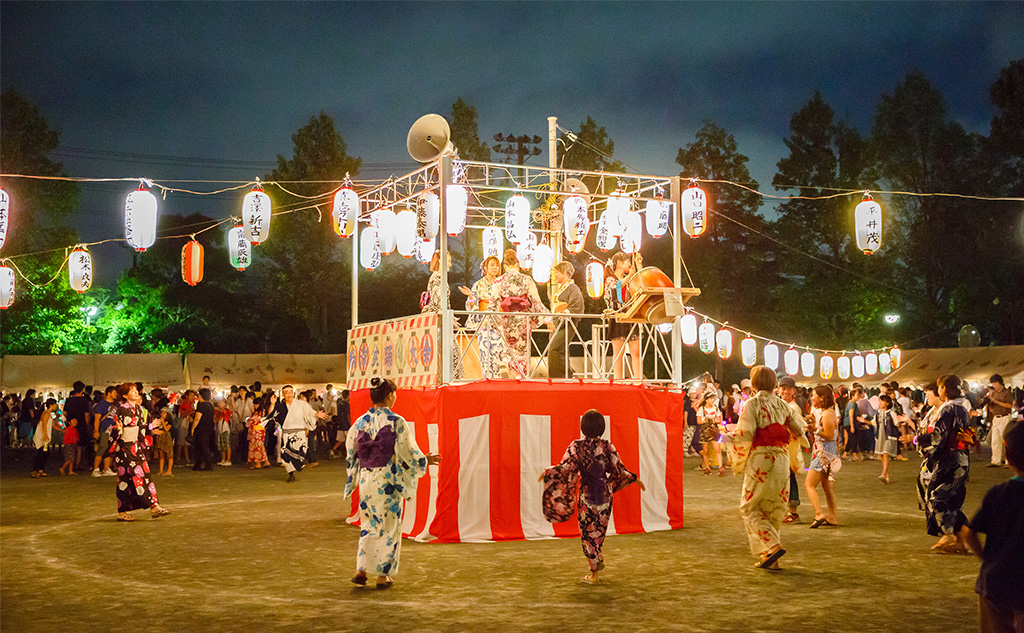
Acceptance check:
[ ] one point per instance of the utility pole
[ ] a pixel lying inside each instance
(517, 146)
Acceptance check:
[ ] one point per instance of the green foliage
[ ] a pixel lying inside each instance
(591, 150)
(465, 135)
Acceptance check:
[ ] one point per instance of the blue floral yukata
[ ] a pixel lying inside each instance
(942, 484)
(384, 462)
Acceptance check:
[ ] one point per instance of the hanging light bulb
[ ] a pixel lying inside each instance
(140, 218)
(857, 365)
(428, 216)
(595, 279)
(826, 365)
(791, 360)
(543, 258)
(385, 221)
(405, 232)
(5, 215)
(723, 342)
(843, 367)
(706, 336)
(192, 262)
(871, 364)
(884, 363)
(458, 201)
(239, 248)
(807, 364)
(492, 242)
(346, 210)
(425, 250)
(605, 239)
(525, 250)
(748, 350)
(80, 269)
(632, 232)
(6, 287)
(689, 328)
(575, 223)
(657, 213)
(619, 204)
(256, 215)
(369, 248)
(868, 219)
(695, 210)
(896, 358)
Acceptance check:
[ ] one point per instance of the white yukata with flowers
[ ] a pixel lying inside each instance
(382, 490)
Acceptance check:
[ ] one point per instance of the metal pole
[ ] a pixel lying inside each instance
(556, 247)
(676, 195)
(355, 276)
(446, 313)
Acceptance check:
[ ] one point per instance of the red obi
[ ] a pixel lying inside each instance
(515, 304)
(772, 435)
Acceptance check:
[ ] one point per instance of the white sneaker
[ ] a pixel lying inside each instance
(109, 473)
(96, 472)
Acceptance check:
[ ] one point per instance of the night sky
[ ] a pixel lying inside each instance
(229, 83)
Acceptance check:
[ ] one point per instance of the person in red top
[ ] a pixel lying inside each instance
(186, 410)
(70, 447)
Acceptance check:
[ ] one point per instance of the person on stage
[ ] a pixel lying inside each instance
(432, 301)
(568, 298)
(618, 268)
(128, 441)
(484, 298)
(594, 463)
(517, 293)
(767, 424)
(299, 420)
(384, 462)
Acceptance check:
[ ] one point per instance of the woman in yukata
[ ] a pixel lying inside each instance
(384, 462)
(594, 463)
(432, 301)
(484, 298)
(518, 294)
(128, 444)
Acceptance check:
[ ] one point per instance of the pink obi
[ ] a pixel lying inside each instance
(515, 304)
(772, 435)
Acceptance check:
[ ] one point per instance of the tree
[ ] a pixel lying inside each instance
(590, 149)
(465, 135)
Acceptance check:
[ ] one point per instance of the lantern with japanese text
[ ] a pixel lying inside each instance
(807, 364)
(80, 269)
(857, 366)
(723, 343)
(239, 249)
(605, 239)
(256, 215)
(543, 258)
(895, 357)
(657, 213)
(192, 262)
(369, 248)
(632, 232)
(345, 212)
(826, 366)
(492, 242)
(748, 351)
(871, 364)
(6, 287)
(5, 215)
(517, 218)
(458, 201)
(843, 367)
(884, 363)
(424, 250)
(689, 328)
(619, 204)
(428, 216)
(575, 223)
(405, 232)
(771, 356)
(791, 361)
(385, 221)
(525, 250)
(868, 219)
(695, 210)
(595, 279)
(706, 337)
(140, 219)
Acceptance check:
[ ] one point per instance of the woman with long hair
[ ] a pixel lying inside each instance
(825, 461)
(518, 295)
(621, 335)
(484, 298)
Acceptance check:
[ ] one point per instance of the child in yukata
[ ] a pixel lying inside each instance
(594, 463)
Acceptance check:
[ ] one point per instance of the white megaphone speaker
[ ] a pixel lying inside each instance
(429, 138)
(576, 186)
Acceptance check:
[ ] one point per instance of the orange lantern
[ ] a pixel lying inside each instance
(192, 262)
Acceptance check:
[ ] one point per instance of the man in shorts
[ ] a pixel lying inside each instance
(102, 421)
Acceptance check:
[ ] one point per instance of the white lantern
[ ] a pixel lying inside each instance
(5, 210)
(492, 242)
(843, 367)
(791, 361)
(807, 364)
(6, 287)
(868, 220)
(428, 216)
(525, 249)
(239, 248)
(632, 233)
(884, 363)
(857, 365)
(575, 223)
(256, 215)
(345, 211)
(605, 238)
(458, 200)
(595, 279)
(543, 258)
(517, 218)
(695, 211)
(425, 250)
(619, 204)
(826, 366)
(706, 336)
(896, 357)
(385, 222)
(723, 343)
(748, 350)
(871, 364)
(405, 232)
(771, 356)
(658, 214)
(369, 248)
(140, 219)
(80, 269)
(689, 328)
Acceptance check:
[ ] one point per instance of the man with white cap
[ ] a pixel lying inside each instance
(299, 420)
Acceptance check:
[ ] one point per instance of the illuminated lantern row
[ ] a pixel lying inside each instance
(543, 259)
(192, 262)
(424, 250)
(748, 350)
(896, 357)
(807, 364)
(632, 233)
(605, 237)
(706, 337)
(595, 279)
(369, 248)
(385, 221)
(771, 356)
(6, 287)
(345, 211)
(791, 361)
(884, 363)
(256, 215)
(405, 232)
(525, 250)
(657, 212)
(695, 211)
(843, 367)
(575, 223)
(492, 242)
(5, 215)
(689, 328)
(868, 221)
(239, 248)
(723, 343)
(517, 219)
(458, 201)
(80, 269)
(428, 216)
(619, 205)
(140, 219)
(871, 363)
(827, 365)
(857, 365)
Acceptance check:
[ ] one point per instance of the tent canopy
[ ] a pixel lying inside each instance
(973, 364)
(58, 373)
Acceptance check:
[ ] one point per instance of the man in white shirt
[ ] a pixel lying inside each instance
(298, 422)
(999, 404)
(787, 390)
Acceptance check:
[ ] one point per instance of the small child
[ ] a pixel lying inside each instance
(163, 441)
(710, 417)
(1000, 583)
(222, 418)
(70, 447)
(257, 428)
(595, 463)
(887, 434)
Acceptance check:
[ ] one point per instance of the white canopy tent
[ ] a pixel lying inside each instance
(973, 364)
(58, 373)
(272, 370)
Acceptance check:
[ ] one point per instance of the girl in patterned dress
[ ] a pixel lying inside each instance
(384, 462)
(518, 294)
(128, 440)
(257, 428)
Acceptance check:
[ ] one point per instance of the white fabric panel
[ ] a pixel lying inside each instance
(409, 520)
(409, 513)
(608, 436)
(534, 457)
(653, 439)
(474, 479)
(272, 370)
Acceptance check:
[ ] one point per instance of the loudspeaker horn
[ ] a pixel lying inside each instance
(577, 186)
(429, 138)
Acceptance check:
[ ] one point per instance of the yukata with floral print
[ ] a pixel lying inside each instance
(518, 294)
(128, 443)
(435, 303)
(942, 483)
(484, 297)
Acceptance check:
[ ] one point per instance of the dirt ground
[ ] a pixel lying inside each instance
(243, 550)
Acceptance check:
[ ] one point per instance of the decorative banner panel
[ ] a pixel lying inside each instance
(404, 350)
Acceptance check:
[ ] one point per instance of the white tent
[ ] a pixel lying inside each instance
(973, 364)
(272, 370)
(58, 373)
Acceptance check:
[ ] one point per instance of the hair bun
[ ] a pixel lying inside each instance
(375, 381)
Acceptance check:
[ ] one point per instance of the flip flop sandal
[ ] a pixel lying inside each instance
(127, 518)
(162, 512)
(387, 584)
(766, 563)
(588, 581)
(359, 580)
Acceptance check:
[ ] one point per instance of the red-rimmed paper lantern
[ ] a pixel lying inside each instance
(575, 223)
(492, 241)
(345, 212)
(871, 363)
(807, 364)
(632, 232)
(657, 214)
(868, 220)
(884, 363)
(896, 357)
(619, 204)
(843, 367)
(239, 248)
(694, 210)
(688, 329)
(748, 350)
(771, 356)
(256, 215)
(826, 365)
(706, 337)
(424, 251)
(369, 248)
(192, 262)
(857, 366)
(140, 219)
(405, 233)
(525, 250)
(605, 238)
(595, 279)
(458, 202)
(791, 361)
(386, 223)
(428, 216)
(5, 215)
(6, 287)
(517, 218)
(723, 343)
(80, 269)
(543, 259)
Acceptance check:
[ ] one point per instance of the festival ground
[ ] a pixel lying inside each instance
(245, 551)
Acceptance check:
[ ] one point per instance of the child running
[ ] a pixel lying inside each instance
(594, 463)
(257, 428)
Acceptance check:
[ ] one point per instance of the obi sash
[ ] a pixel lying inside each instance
(130, 434)
(596, 483)
(772, 435)
(515, 304)
(376, 452)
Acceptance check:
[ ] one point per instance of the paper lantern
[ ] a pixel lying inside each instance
(605, 238)
(857, 365)
(239, 248)
(689, 328)
(619, 204)
(192, 262)
(884, 363)
(458, 200)
(791, 361)
(543, 258)
(140, 219)
(868, 220)
(405, 232)
(517, 219)
(492, 242)
(807, 364)
(80, 269)
(595, 279)
(575, 223)
(694, 210)
(771, 356)
(871, 364)
(525, 250)
(345, 211)
(369, 248)
(843, 367)
(385, 221)
(895, 358)
(6, 287)
(826, 365)
(706, 337)
(632, 233)
(424, 251)
(5, 211)
(748, 350)
(256, 215)
(723, 343)
(428, 216)
(658, 214)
